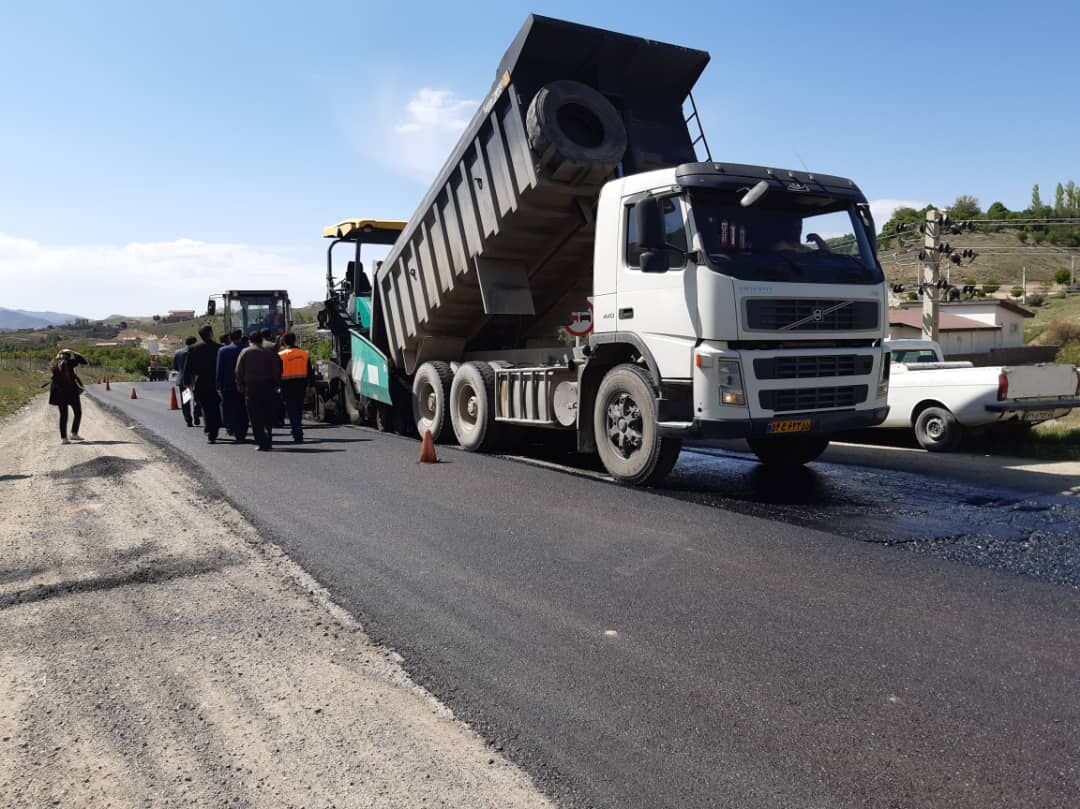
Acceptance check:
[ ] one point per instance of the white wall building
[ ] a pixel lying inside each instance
(966, 327)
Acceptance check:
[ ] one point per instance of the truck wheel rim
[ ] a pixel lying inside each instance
(467, 407)
(427, 401)
(624, 425)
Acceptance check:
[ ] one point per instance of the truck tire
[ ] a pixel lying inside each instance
(627, 435)
(791, 450)
(318, 407)
(472, 406)
(937, 430)
(431, 399)
(384, 418)
(576, 133)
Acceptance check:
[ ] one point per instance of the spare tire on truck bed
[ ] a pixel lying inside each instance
(576, 133)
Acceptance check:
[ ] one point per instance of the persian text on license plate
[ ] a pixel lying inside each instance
(1038, 415)
(789, 426)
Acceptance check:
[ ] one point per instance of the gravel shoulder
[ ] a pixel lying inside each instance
(156, 651)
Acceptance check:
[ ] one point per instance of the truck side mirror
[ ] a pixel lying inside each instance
(211, 307)
(650, 225)
(655, 261)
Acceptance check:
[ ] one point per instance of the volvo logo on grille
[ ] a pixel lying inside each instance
(817, 315)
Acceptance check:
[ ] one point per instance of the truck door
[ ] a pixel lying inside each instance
(660, 308)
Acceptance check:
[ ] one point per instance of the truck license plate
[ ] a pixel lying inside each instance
(789, 426)
(1038, 415)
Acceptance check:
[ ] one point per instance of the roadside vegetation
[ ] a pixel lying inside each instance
(18, 387)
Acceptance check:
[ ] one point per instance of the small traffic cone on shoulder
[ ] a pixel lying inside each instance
(107, 384)
(133, 394)
(172, 400)
(427, 449)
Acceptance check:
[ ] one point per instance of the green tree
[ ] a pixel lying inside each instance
(1036, 198)
(1059, 200)
(965, 207)
(998, 211)
(1016, 292)
(1062, 276)
(1072, 198)
(991, 286)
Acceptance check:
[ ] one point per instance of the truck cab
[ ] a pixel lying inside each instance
(254, 310)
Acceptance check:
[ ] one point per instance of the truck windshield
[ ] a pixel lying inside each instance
(785, 236)
(255, 313)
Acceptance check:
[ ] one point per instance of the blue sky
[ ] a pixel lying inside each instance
(152, 153)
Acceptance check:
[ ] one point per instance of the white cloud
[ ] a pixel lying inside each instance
(413, 138)
(144, 278)
(883, 209)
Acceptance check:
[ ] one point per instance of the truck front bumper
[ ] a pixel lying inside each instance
(819, 423)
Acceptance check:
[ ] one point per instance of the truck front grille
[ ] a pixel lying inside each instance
(796, 399)
(804, 314)
(812, 367)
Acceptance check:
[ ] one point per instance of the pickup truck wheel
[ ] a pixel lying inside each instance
(625, 423)
(791, 450)
(431, 399)
(937, 430)
(472, 406)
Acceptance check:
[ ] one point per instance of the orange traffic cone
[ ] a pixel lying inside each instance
(427, 449)
(133, 396)
(107, 384)
(172, 400)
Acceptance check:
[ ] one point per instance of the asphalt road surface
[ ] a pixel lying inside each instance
(734, 640)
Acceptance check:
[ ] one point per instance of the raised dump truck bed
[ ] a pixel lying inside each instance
(500, 250)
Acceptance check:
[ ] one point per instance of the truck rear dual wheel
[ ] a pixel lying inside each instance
(472, 407)
(937, 430)
(431, 399)
(627, 434)
(788, 450)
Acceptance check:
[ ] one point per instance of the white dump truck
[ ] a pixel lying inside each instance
(939, 400)
(576, 267)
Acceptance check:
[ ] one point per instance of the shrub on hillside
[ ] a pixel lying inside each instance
(1062, 332)
(991, 288)
(1016, 292)
(1062, 276)
(1035, 300)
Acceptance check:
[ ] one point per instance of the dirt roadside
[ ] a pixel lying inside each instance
(156, 652)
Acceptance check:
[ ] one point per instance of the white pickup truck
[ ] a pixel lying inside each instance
(939, 399)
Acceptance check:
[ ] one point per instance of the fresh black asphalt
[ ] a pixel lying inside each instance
(639, 649)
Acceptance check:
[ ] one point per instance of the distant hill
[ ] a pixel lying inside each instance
(11, 319)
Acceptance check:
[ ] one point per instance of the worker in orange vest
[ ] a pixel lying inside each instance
(296, 374)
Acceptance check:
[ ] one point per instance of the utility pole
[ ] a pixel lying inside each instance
(931, 273)
(1023, 285)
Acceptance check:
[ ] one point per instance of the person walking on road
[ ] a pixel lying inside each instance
(258, 374)
(200, 372)
(65, 390)
(296, 375)
(186, 404)
(233, 411)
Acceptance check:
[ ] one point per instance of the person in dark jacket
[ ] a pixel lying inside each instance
(232, 403)
(258, 374)
(65, 390)
(200, 374)
(178, 361)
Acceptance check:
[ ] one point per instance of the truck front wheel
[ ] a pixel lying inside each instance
(627, 436)
(431, 399)
(937, 430)
(790, 450)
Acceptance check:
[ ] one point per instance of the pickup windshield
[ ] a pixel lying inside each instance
(785, 236)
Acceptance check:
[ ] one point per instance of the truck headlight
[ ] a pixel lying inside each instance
(883, 382)
(729, 376)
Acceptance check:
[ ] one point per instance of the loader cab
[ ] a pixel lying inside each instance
(256, 310)
(349, 292)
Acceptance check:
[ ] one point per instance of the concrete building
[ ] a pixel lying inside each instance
(966, 327)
